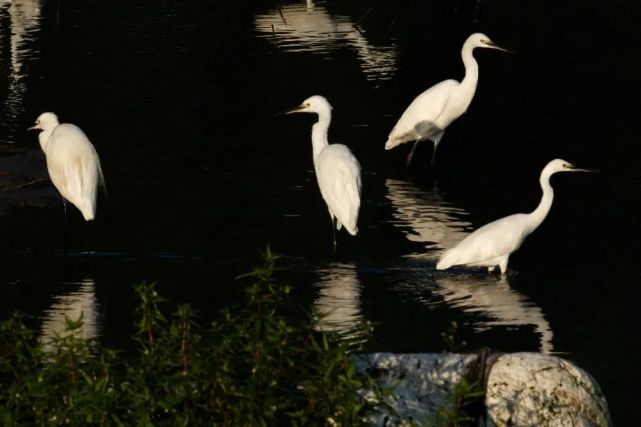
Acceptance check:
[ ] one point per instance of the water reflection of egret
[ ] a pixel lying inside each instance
(430, 218)
(434, 221)
(25, 19)
(70, 305)
(494, 303)
(338, 300)
(309, 28)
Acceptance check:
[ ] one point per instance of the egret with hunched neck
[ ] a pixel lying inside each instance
(337, 170)
(433, 110)
(72, 162)
(492, 244)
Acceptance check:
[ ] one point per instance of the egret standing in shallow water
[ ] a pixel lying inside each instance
(492, 244)
(72, 162)
(337, 170)
(433, 110)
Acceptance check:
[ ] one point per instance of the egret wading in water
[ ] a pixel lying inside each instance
(433, 110)
(72, 162)
(337, 170)
(492, 244)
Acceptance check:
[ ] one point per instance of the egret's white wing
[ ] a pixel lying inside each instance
(420, 119)
(339, 179)
(493, 240)
(74, 167)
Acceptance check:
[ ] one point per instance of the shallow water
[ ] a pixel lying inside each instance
(178, 99)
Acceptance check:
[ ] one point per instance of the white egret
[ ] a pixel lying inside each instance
(433, 110)
(72, 162)
(492, 244)
(337, 170)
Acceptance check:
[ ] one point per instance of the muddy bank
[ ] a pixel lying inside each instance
(24, 181)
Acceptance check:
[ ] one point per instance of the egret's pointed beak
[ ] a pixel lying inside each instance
(34, 127)
(575, 169)
(584, 170)
(493, 45)
(298, 109)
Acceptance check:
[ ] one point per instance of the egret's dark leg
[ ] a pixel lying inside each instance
(411, 154)
(65, 237)
(434, 154)
(333, 233)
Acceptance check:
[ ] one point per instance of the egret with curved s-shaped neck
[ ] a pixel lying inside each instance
(433, 110)
(72, 162)
(337, 170)
(492, 244)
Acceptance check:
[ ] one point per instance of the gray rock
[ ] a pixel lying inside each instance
(532, 389)
(422, 384)
(523, 389)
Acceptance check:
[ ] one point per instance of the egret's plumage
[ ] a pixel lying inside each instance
(492, 244)
(432, 111)
(337, 170)
(72, 162)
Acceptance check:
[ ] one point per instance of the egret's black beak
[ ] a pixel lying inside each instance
(493, 45)
(575, 169)
(290, 111)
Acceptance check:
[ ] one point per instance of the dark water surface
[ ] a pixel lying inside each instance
(178, 98)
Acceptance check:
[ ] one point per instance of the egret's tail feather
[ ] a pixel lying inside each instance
(353, 231)
(445, 262)
(88, 212)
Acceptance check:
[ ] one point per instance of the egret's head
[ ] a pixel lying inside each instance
(45, 121)
(560, 165)
(481, 40)
(314, 104)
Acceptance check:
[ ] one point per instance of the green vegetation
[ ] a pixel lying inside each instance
(255, 366)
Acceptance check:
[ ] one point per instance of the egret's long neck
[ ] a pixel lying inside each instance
(44, 138)
(471, 68)
(319, 132)
(538, 215)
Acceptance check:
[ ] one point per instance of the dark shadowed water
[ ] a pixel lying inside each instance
(178, 97)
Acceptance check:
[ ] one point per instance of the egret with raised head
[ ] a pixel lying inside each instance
(492, 244)
(337, 170)
(433, 110)
(72, 162)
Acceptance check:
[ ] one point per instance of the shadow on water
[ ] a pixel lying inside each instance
(78, 299)
(306, 27)
(426, 217)
(492, 303)
(22, 23)
(338, 301)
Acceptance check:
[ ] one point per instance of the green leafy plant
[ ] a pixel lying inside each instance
(255, 365)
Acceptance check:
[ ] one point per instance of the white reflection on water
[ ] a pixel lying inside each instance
(306, 27)
(24, 23)
(70, 305)
(338, 299)
(428, 218)
(494, 303)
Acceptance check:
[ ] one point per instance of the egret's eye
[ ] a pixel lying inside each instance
(308, 104)
(567, 166)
